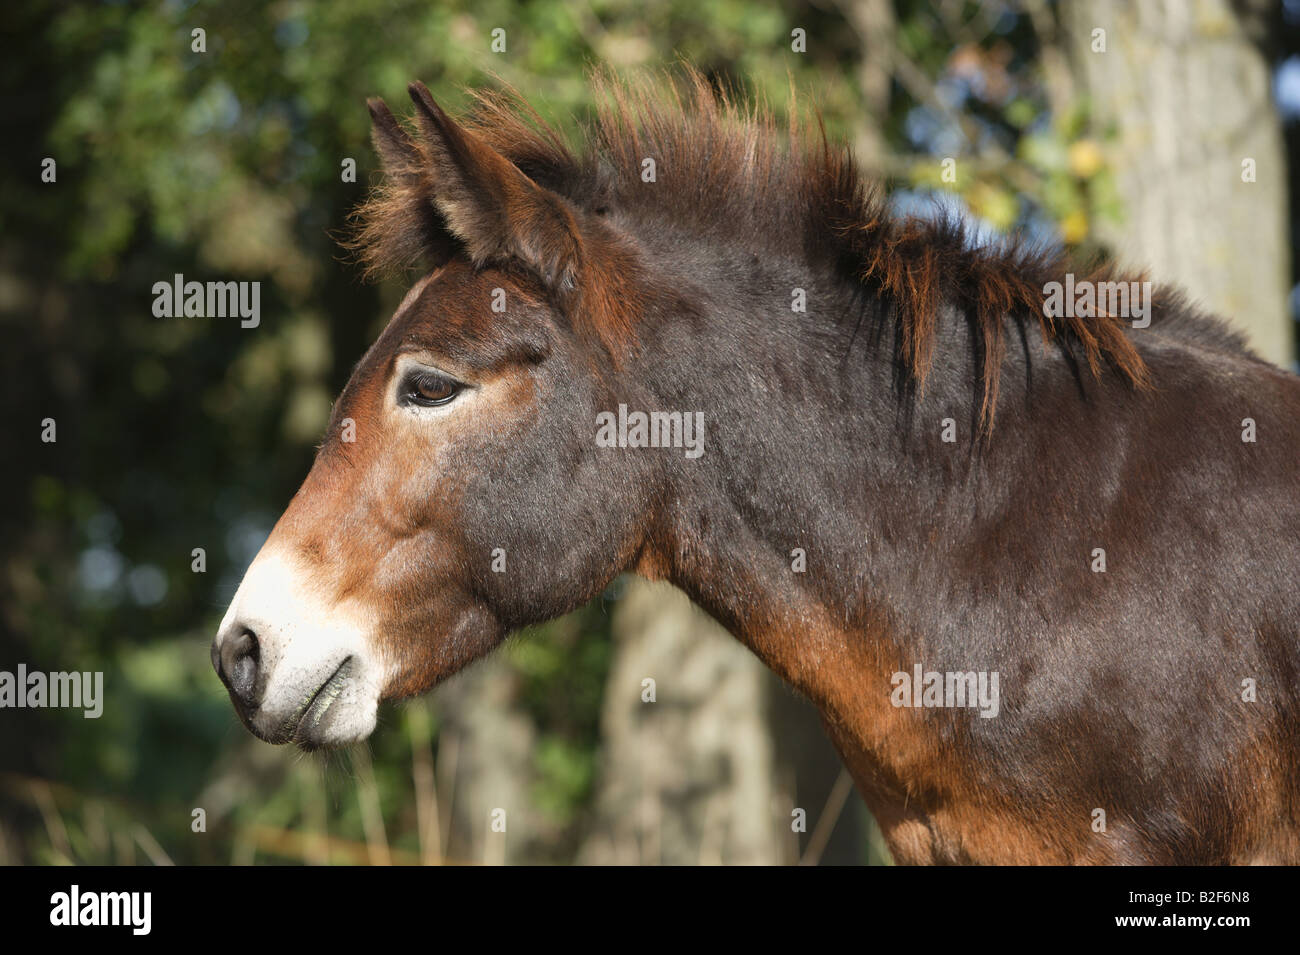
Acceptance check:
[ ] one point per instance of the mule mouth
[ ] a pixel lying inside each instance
(301, 726)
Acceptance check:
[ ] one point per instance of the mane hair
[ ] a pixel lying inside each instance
(727, 173)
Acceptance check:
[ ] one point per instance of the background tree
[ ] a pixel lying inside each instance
(1183, 94)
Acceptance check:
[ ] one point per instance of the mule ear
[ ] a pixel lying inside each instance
(397, 226)
(397, 151)
(491, 206)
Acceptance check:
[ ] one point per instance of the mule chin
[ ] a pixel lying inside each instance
(336, 708)
(339, 711)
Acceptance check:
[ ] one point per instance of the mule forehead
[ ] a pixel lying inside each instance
(478, 319)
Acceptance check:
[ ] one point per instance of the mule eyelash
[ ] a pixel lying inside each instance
(427, 389)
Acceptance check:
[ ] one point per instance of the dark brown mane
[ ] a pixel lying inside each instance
(727, 173)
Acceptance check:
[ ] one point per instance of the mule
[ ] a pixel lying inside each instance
(1035, 566)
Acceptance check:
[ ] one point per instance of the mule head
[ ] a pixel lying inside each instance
(458, 494)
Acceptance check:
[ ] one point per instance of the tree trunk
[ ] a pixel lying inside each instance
(688, 778)
(486, 768)
(1186, 93)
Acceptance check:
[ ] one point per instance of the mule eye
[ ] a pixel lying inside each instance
(429, 389)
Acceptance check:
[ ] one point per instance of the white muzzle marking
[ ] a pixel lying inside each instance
(312, 677)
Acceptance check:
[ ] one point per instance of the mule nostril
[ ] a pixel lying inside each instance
(239, 658)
